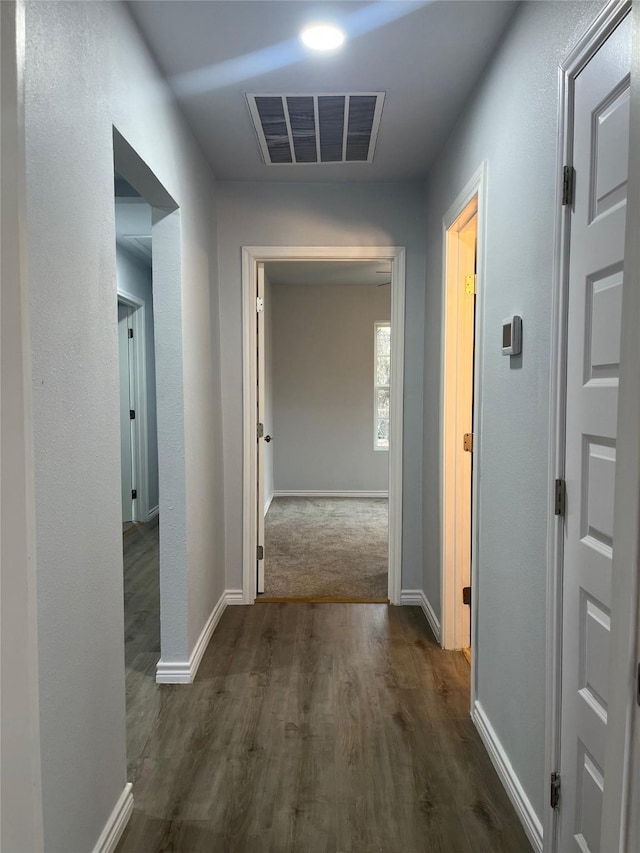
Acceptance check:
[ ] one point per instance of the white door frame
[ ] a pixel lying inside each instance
(251, 256)
(139, 375)
(450, 582)
(581, 54)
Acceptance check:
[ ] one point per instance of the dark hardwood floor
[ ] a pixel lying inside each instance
(318, 728)
(141, 634)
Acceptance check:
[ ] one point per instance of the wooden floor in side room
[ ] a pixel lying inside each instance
(319, 728)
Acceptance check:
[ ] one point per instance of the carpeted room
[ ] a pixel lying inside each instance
(326, 416)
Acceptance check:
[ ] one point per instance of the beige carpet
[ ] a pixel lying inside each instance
(332, 548)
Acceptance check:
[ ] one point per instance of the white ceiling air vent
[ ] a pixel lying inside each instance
(297, 129)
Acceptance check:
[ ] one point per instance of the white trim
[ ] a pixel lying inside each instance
(251, 256)
(477, 185)
(417, 598)
(306, 493)
(500, 760)
(602, 26)
(234, 597)
(153, 512)
(267, 502)
(117, 822)
(184, 672)
(141, 445)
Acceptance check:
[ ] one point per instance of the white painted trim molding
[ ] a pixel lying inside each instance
(184, 671)
(251, 257)
(153, 512)
(419, 599)
(500, 760)
(234, 597)
(268, 501)
(117, 822)
(292, 493)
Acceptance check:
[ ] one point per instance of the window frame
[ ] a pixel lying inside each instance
(382, 324)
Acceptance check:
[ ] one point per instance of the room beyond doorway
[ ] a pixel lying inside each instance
(323, 553)
(324, 365)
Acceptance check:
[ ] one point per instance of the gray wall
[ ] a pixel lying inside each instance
(511, 122)
(323, 387)
(134, 277)
(20, 782)
(88, 69)
(257, 214)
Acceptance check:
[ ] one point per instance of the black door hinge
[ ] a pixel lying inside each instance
(466, 595)
(260, 553)
(560, 497)
(568, 184)
(132, 414)
(555, 790)
(130, 333)
(134, 494)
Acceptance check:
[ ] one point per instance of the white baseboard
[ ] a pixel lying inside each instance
(184, 671)
(153, 512)
(117, 822)
(267, 503)
(521, 803)
(234, 596)
(282, 493)
(418, 598)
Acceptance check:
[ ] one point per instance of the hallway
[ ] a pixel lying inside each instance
(320, 728)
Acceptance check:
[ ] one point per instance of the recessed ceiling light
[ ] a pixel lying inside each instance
(322, 37)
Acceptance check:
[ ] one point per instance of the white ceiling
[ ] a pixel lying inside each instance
(427, 57)
(342, 273)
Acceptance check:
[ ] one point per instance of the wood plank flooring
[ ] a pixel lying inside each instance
(319, 728)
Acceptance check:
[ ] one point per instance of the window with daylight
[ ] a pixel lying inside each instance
(381, 391)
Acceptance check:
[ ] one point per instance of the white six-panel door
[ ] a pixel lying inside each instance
(600, 146)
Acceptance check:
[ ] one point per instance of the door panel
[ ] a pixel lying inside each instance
(601, 130)
(261, 416)
(126, 453)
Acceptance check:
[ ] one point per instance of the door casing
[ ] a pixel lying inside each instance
(601, 28)
(251, 256)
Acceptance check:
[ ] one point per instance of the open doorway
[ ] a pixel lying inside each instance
(139, 456)
(324, 377)
(458, 401)
(384, 259)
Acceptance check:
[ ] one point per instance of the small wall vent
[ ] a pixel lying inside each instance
(298, 129)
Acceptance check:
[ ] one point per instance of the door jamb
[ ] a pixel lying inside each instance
(582, 52)
(476, 186)
(140, 384)
(251, 256)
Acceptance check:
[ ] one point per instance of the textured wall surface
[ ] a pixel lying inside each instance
(260, 214)
(87, 69)
(134, 277)
(512, 123)
(323, 387)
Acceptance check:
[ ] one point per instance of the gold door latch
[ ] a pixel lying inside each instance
(468, 442)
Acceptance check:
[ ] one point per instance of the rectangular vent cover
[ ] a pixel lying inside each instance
(295, 129)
